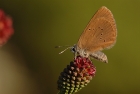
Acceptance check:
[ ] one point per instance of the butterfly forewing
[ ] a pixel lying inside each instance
(106, 13)
(100, 33)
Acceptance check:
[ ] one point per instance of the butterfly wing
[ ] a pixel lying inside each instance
(106, 13)
(100, 33)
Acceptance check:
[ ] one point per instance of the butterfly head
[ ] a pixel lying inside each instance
(78, 51)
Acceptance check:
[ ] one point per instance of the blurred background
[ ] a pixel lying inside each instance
(29, 63)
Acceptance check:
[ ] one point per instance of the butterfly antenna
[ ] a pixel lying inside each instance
(64, 50)
(62, 46)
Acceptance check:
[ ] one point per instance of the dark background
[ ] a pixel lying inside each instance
(29, 63)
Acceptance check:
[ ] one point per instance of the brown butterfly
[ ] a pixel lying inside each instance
(100, 33)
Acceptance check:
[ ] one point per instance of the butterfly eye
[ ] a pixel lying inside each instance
(73, 49)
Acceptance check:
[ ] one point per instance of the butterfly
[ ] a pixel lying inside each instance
(99, 34)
